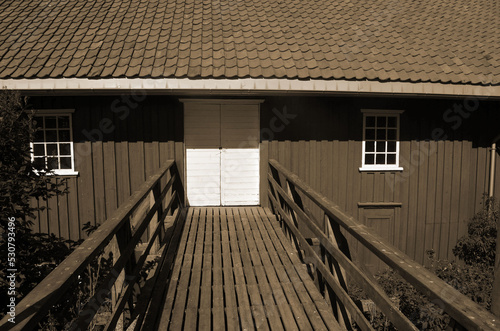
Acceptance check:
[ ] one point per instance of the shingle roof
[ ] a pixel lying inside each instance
(386, 40)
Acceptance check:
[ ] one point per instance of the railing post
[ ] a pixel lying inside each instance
(332, 231)
(275, 175)
(154, 196)
(116, 288)
(177, 188)
(123, 237)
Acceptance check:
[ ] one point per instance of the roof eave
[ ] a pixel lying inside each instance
(246, 86)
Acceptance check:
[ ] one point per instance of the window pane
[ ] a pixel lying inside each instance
(391, 121)
(52, 150)
(391, 158)
(65, 163)
(64, 149)
(370, 134)
(381, 134)
(52, 163)
(63, 121)
(38, 150)
(39, 163)
(380, 158)
(64, 135)
(51, 135)
(370, 121)
(391, 146)
(381, 120)
(50, 122)
(391, 134)
(380, 146)
(369, 159)
(39, 136)
(370, 146)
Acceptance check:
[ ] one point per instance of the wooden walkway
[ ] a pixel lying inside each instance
(236, 270)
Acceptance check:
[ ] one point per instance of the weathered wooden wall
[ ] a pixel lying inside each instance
(113, 157)
(440, 188)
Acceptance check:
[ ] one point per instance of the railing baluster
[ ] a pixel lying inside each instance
(336, 269)
(155, 199)
(177, 187)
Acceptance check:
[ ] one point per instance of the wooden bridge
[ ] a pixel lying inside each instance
(229, 268)
(234, 269)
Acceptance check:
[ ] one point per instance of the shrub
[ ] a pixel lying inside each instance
(19, 182)
(36, 254)
(479, 245)
(474, 279)
(414, 305)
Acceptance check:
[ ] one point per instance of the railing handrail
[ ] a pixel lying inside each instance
(466, 312)
(376, 293)
(38, 302)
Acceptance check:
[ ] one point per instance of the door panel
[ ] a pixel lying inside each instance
(240, 126)
(381, 220)
(222, 154)
(240, 177)
(202, 126)
(202, 139)
(203, 179)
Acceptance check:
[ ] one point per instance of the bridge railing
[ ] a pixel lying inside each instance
(144, 226)
(333, 266)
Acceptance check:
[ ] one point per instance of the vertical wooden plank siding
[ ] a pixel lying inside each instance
(440, 189)
(430, 219)
(122, 171)
(109, 165)
(423, 188)
(62, 207)
(112, 164)
(85, 185)
(98, 181)
(73, 215)
(435, 197)
(53, 215)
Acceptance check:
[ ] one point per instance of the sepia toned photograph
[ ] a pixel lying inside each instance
(249, 165)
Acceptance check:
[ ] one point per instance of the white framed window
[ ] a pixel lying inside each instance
(380, 140)
(52, 146)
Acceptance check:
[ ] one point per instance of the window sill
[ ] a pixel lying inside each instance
(377, 169)
(58, 173)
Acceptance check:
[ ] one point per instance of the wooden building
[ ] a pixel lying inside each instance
(389, 109)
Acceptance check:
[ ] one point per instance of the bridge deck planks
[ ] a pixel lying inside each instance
(235, 270)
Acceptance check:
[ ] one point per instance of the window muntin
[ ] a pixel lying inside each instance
(52, 146)
(380, 140)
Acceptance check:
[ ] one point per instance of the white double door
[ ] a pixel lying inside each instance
(222, 154)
